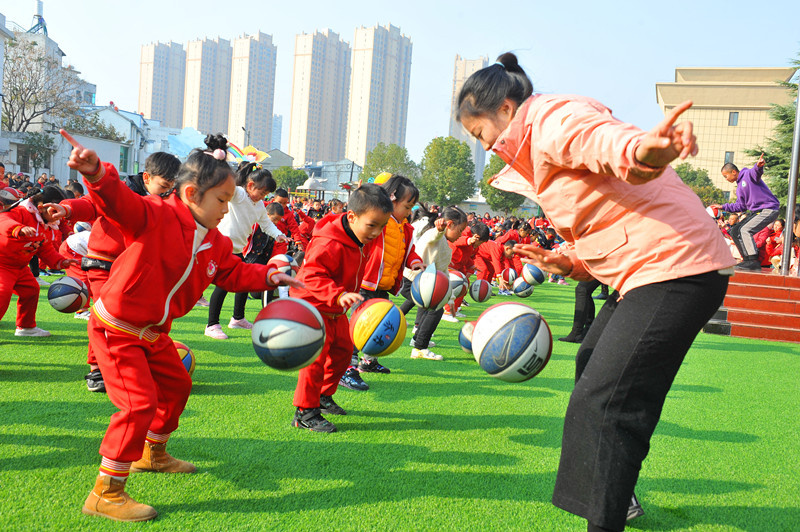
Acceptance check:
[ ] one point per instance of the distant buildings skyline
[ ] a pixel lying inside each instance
(464, 68)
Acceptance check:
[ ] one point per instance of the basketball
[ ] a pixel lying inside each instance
(79, 227)
(282, 264)
(465, 336)
(187, 356)
(509, 275)
(521, 288)
(532, 275)
(288, 334)
(512, 342)
(431, 289)
(480, 291)
(713, 212)
(68, 294)
(458, 283)
(377, 327)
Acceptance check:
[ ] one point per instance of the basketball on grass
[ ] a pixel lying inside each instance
(480, 291)
(187, 356)
(68, 294)
(377, 327)
(458, 283)
(288, 334)
(512, 342)
(430, 289)
(521, 288)
(532, 274)
(465, 336)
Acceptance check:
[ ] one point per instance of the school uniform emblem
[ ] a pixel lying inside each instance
(211, 269)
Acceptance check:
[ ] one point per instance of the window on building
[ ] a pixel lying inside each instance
(728, 157)
(23, 159)
(733, 118)
(124, 154)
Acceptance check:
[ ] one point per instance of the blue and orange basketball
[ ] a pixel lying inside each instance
(288, 334)
(532, 274)
(480, 291)
(187, 356)
(512, 342)
(521, 288)
(377, 327)
(68, 294)
(431, 289)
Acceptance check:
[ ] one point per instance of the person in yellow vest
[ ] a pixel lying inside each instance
(384, 271)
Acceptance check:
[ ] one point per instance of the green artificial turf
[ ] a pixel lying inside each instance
(432, 446)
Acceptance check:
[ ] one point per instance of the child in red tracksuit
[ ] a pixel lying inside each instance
(394, 251)
(106, 241)
(334, 266)
(492, 258)
(173, 252)
(464, 251)
(26, 230)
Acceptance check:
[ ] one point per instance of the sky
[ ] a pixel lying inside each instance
(613, 51)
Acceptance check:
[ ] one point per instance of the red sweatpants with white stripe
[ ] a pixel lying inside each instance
(322, 376)
(96, 278)
(20, 281)
(147, 382)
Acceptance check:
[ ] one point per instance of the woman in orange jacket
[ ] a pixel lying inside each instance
(608, 190)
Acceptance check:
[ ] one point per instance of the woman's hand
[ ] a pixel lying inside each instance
(549, 261)
(666, 142)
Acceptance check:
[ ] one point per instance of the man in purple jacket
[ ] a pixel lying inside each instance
(753, 195)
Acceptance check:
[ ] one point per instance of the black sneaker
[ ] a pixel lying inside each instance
(312, 419)
(635, 509)
(372, 367)
(572, 338)
(352, 380)
(94, 381)
(328, 406)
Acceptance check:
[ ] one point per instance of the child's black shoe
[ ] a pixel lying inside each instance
(328, 406)
(312, 419)
(94, 381)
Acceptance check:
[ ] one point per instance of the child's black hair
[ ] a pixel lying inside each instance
(485, 90)
(76, 188)
(275, 208)
(335, 203)
(448, 214)
(369, 196)
(261, 177)
(480, 229)
(728, 167)
(281, 193)
(400, 187)
(162, 164)
(202, 169)
(510, 243)
(49, 194)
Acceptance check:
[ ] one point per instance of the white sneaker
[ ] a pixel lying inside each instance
(202, 302)
(216, 332)
(239, 324)
(425, 353)
(414, 330)
(431, 343)
(42, 282)
(460, 314)
(31, 331)
(84, 315)
(448, 317)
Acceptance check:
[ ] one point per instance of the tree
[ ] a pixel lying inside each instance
(92, 126)
(777, 149)
(36, 87)
(700, 183)
(498, 200)
(448, 173)
(289, 178)
(389, 158)
(40, 147)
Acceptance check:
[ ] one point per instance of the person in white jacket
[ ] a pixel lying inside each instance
(432, 236)
(245, 210)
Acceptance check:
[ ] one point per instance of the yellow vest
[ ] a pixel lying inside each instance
(394, 252)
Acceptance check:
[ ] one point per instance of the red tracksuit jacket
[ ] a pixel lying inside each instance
(463, 258)
(158, 277)
(490, 256)
(334, 264)
(16, 251)
(513, 234)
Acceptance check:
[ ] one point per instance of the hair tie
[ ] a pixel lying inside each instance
(217, 154)
(256, 166)
(501, 64)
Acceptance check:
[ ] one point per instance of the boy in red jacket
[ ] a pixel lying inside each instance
(463, 260)
(491, 259)
(332, 272)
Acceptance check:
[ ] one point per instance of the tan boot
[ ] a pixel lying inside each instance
(155, 458)
(108, 499)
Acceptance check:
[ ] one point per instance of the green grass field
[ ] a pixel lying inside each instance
(433, 446)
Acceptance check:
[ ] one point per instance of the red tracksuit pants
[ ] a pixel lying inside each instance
(20, 281)
(95, 281)
(147, 382)
(322, 376)
(485, 269)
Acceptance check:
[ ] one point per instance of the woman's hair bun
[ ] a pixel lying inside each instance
(216, 142)
(509, 62)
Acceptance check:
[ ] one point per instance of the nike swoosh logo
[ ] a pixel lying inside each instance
(501, 359)
(264, 339)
